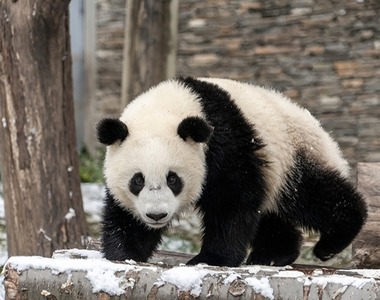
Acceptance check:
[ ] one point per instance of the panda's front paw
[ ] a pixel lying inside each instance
(324, 253)
(272, 260)
(198, 259)
(215, 260)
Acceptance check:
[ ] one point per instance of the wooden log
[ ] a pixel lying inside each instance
(83, 274)
(366, 247)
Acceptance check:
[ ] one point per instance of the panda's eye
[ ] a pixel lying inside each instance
(138, 180)
(137, 183)
(174, 182)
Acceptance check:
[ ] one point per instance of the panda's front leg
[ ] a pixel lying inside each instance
(124, 237)
(226, 237)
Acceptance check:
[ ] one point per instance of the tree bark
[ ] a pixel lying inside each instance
(366, 247)
(150, 45)
(87, 277)
(40, 170)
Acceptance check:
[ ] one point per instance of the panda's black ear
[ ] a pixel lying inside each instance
(195, 128)
(111, 130)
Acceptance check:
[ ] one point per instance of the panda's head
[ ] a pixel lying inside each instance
(155, 174)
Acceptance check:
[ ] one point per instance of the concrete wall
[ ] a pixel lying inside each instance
(323, 54)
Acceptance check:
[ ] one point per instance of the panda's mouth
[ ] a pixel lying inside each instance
(157, 225)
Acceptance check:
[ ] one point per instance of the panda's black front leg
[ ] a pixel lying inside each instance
(124, 237)
(226, 237)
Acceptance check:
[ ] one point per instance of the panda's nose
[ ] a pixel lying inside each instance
(155, 188)
(157, 217)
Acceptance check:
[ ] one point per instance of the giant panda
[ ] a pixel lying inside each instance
(257, 167)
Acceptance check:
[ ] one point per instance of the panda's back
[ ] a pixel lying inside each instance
(285, 127)
(286, 130)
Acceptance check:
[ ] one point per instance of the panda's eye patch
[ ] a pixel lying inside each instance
(136, 184)
(174, 182)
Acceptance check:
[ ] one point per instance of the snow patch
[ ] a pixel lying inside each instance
(185, 278)
(256, 269)
(77, 253)
(231, 278)
(106, 281)
(93, 204)
(70, 214)
(43, 232)
(317, 272)
(261, 286)
(343, 280)
(101, 273)
(130, 262)
(372, 273)
(289, 274)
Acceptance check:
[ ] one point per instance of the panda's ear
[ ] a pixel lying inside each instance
(195, 128)
(111, 130)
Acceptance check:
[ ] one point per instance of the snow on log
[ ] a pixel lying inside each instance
(84, 274)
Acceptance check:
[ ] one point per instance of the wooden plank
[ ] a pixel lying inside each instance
(366, 248)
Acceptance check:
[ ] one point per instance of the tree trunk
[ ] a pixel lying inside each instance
(43, 203)
(150, 45)
(366, 247)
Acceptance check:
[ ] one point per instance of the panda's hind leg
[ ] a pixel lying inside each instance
(327, 202)
(339, 216)
(277, 242)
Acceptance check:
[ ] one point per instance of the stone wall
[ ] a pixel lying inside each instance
(110, 42)
(323, 54)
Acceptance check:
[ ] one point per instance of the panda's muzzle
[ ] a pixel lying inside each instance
(156, 217)
(156, 220)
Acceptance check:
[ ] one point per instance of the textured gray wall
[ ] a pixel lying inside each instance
(323, 54)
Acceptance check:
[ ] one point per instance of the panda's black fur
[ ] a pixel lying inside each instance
(315, 198)
(232, 171)
(123, 236)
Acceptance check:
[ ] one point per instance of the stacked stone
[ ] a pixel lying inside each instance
(110, 44)
(323, 54)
